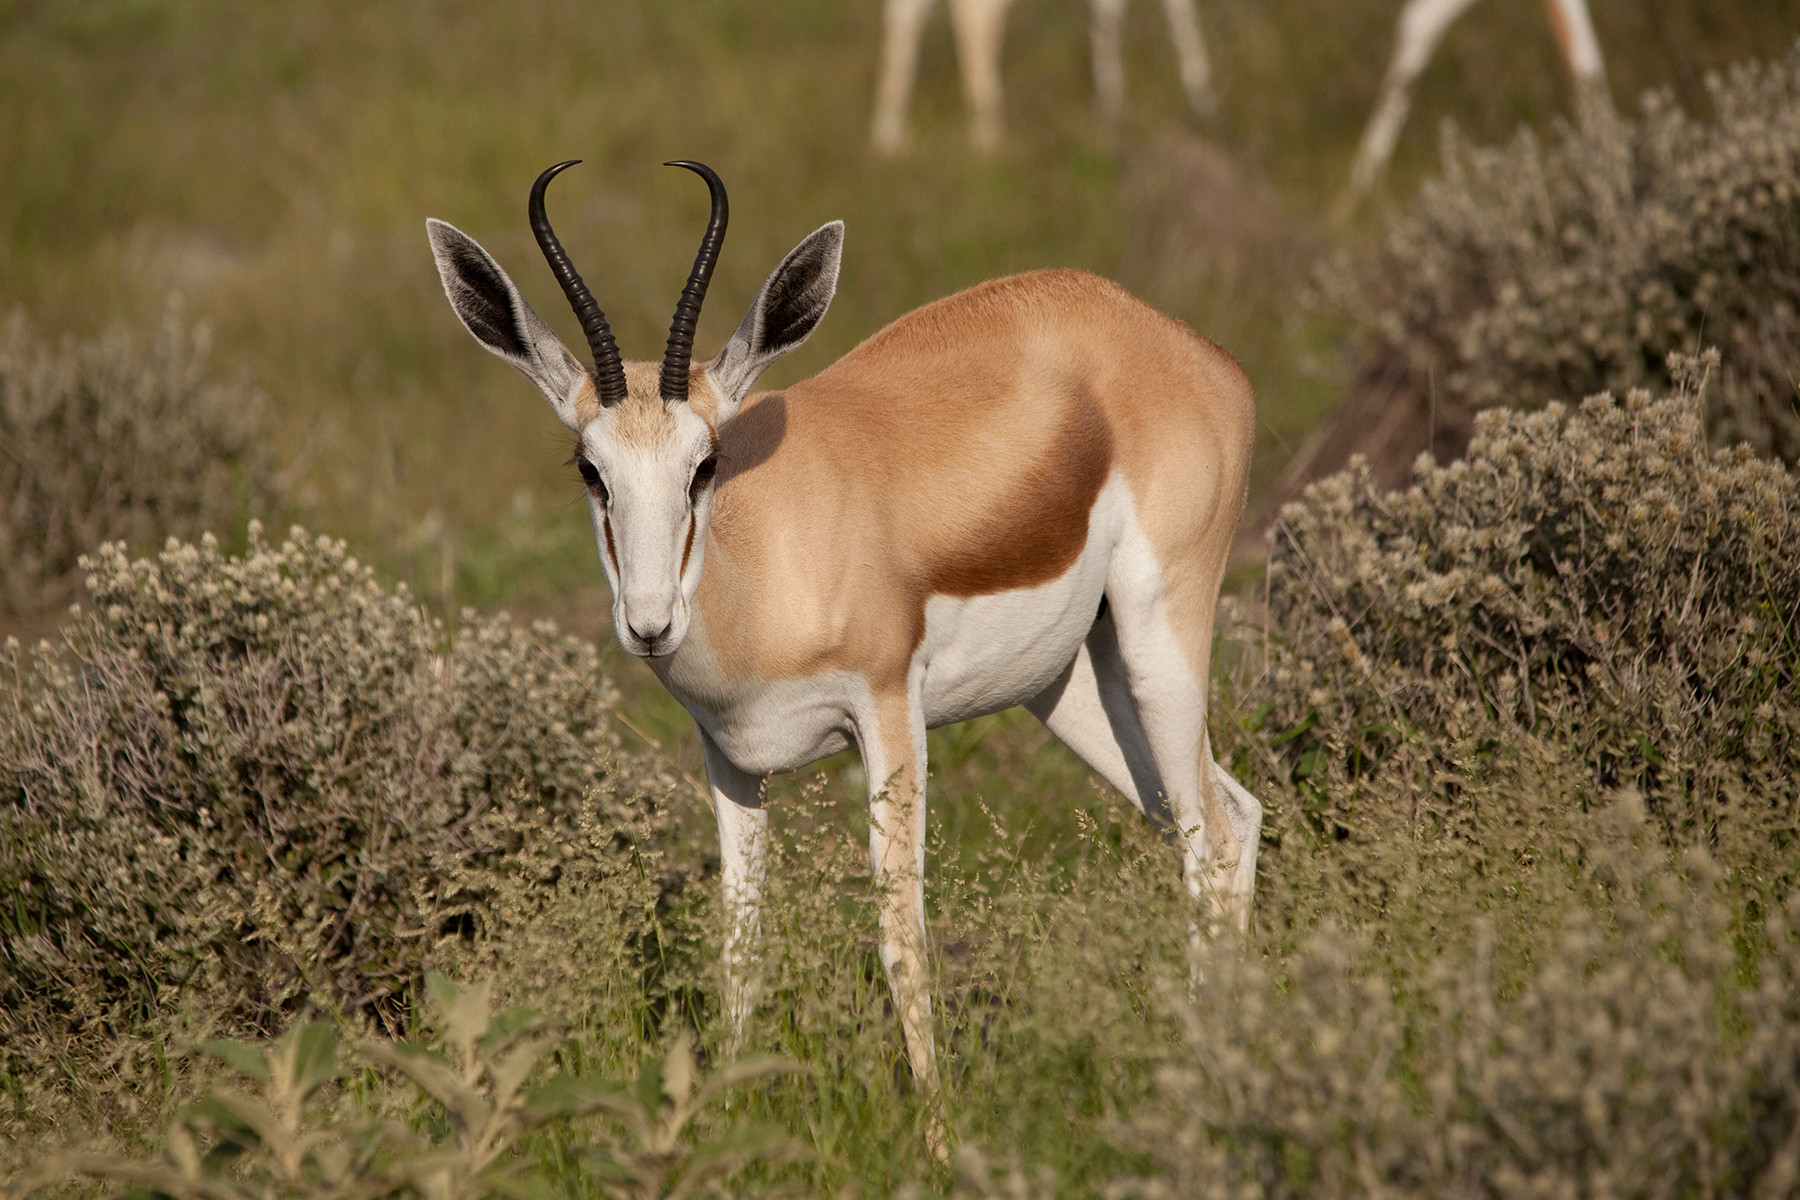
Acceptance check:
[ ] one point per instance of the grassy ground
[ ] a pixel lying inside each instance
(273, 165)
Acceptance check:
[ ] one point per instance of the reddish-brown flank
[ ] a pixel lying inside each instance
(959, 452)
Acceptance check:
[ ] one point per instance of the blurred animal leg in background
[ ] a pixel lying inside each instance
(1190, 57)
(1104, 19)
(903, 26)
(1423, 24)
(980, 27)
(1580, 46)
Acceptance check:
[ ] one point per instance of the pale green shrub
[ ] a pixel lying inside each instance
(1628, 1057)
(104, 440)
(1529, 274)
(1524, 733)
(1596, 585)
(241, 781)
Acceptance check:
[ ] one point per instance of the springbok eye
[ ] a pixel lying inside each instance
(590, 475)
(703, 474)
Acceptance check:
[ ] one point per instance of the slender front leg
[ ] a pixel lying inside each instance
(743, 858)
(893, 750)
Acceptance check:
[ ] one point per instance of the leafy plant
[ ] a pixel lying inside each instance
(481, 1110)
(644, 1156)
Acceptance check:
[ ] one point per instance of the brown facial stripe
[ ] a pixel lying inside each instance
(1032, 532)
(612, 555)
(688, 546)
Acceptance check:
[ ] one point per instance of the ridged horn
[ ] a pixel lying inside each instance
(687, 310)
(609, 372)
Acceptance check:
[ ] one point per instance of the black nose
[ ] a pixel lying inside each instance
(650, 636)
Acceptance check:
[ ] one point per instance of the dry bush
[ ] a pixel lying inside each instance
(1526, 275)
(1628, 1057)
(1524, 734)
(240, 782)
(1597, 584)
(105, 440)
(1530, 273)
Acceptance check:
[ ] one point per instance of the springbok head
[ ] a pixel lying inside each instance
(647, 436)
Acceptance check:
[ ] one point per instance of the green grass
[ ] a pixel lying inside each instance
(274, 164)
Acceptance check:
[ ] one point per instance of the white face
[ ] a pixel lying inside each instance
(651, 498)
(648, 465)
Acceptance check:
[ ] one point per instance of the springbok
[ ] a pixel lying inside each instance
(979, 27)
(1022, 494)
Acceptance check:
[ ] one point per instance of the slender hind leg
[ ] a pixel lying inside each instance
(1245, 813)
(1093, 711)
(1164, 620)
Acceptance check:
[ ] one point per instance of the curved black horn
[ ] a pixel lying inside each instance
(687, 310)
(609, 372)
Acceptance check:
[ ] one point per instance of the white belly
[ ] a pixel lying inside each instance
(986, 653)
(979, 655)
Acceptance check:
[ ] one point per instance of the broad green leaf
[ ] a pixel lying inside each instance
(515, 1022)
(315, 1057)
(529, 1186)
(158, 1178)
(650, 1086)
(182, 1151)
(434, 1076)
(568, 1096)
(733, 1074)
(239, 1056)
(467, 1018)
(440, 990)
(243, 1117)
(509, 1074)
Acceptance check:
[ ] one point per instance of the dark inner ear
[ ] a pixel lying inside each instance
(484, 301)
(796, 300)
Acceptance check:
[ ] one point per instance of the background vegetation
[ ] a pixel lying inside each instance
(1524, 731)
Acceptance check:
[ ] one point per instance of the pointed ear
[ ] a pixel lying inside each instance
(492, 309)
(787, 310)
